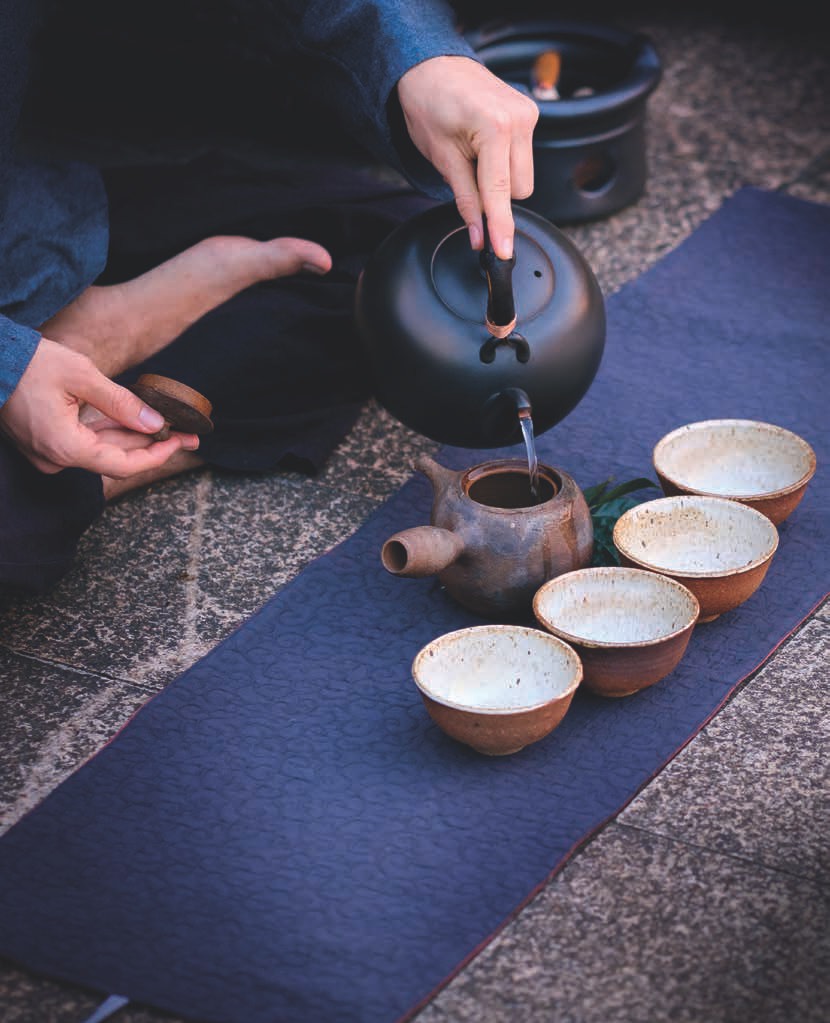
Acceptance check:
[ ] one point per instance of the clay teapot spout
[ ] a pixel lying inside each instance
(439, 476)
(421, 551)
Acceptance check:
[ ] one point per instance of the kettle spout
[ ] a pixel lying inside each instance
(420, 551)
(521, 400)
(503, 414)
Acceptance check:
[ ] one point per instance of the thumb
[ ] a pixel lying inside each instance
(120, 404)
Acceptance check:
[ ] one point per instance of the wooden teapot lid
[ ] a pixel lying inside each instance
(183, 408)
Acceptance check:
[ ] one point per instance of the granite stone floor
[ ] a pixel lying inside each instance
(706, 899)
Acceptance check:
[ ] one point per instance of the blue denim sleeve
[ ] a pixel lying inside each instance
(357, 51)
(17, 20)
(17, 346)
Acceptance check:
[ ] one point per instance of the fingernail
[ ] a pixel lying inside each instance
(475, 236)
(313, 269)
(150, 418)
(504, 248)
(191, 444)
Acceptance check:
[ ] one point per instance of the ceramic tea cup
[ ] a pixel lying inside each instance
(756, 463)
(719, 549)
(629, 626)
(497, 688)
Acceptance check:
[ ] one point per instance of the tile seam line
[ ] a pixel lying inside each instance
(813, 166)
(734, 857)
(76, 669)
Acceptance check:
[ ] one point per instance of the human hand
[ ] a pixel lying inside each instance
(64, 412)
(477, 131)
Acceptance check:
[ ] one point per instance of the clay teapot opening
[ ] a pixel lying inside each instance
(509, 488)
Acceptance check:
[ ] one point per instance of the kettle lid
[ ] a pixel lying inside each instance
(460, 282)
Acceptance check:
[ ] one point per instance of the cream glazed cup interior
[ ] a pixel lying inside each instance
(695, 536)
(615, 607)
(739, 458)
(496, 669)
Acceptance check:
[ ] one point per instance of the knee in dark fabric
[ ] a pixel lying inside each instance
(42, 518)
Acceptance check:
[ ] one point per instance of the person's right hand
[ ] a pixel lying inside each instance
(46, 418)
(477, 131)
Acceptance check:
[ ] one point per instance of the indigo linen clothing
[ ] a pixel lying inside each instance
(130, 131)
(93, 74)
(54, 240)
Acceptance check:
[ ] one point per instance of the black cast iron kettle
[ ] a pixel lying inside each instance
(461, 343)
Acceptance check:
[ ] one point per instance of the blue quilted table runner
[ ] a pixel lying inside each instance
(283, 836)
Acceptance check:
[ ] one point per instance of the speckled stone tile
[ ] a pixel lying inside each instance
(377, 457)
(25, 998)
(756, 782)
(812, 191)
(53, 719)
(638, 929)
(813, 183)
(164, 576)
(126, 590)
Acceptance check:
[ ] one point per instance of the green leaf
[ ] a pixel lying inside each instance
(593, 494)
(606, 507)
(602, 496)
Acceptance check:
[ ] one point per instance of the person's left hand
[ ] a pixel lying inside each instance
(64, 412)
(477, 131)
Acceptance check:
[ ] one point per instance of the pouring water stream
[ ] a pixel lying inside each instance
(526, 423)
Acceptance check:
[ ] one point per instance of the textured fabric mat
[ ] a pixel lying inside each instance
(283, 836)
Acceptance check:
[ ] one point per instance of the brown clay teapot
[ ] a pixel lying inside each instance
(490, 543)
(457, 342)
